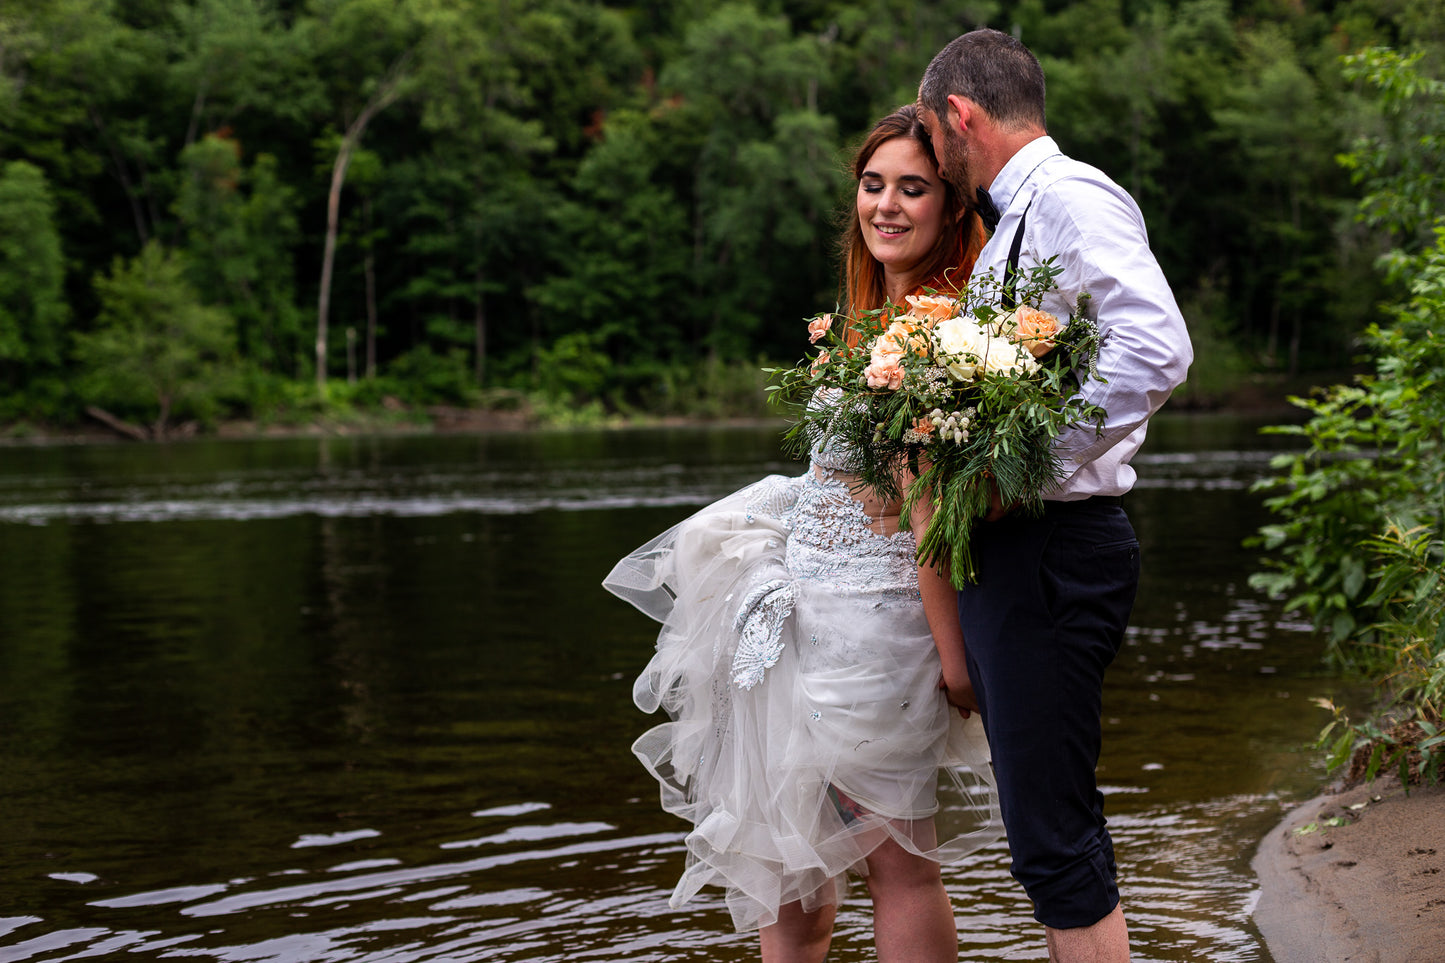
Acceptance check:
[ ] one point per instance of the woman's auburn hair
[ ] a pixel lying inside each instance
(947, 266)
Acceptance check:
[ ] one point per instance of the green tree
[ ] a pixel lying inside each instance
(475, 213)
(156, 348)
(240, 230)
(228, 57)
(1397, 163)
(765, 176)
(878, 49)
(627, 236)
(33, 312)
(78, 116)
(1276, 115)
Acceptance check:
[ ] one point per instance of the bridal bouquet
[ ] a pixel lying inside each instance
(948, 398)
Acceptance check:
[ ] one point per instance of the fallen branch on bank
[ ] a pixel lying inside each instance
(118, 425)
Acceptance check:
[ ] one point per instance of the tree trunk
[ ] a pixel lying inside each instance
(479, 327)
(197, 108)
(386, 93)
(370, 271)
(1296, 218)
(328, 252)
(1271, 343)
(134, 432)
(158, 430)
(122, 174)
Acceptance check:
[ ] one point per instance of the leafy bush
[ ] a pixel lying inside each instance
(1373, 459)
(423, 377)
(706, 389)
(1361, 510)
(1357, 545)
(157, 352)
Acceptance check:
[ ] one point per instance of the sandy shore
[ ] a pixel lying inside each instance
(1357, 876)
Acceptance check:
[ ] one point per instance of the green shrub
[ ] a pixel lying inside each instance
(1357, 545)
(157, 352)
(423, 377)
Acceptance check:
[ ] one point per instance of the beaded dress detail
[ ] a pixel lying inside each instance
(800, 680)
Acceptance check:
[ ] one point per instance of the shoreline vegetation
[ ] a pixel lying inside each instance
(1261, 394)
(1358, 546)
(338, 214)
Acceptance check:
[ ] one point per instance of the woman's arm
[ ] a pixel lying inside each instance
(940, 606)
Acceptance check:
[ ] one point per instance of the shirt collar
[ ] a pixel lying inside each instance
(1016, 172)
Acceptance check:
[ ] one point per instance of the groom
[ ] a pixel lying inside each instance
(1054, 594)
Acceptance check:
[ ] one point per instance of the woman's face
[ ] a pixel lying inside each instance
(901, 206)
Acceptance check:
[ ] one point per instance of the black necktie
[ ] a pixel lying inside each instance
(986, 210)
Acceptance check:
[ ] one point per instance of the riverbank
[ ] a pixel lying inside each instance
(1356, 876)
(1256, 394)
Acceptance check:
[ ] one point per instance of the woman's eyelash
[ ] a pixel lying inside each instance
(908, 191)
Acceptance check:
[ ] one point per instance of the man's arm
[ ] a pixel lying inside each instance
(1098, 235)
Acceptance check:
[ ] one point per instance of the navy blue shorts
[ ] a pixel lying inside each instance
(1043, 623)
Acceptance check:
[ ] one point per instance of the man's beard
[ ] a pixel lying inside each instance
(955, 163)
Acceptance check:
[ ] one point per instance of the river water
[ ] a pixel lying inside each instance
(362, 699)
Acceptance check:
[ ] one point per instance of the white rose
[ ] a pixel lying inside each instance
(965, 350)
(1010, 358)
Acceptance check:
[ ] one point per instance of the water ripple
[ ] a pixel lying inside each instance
(262, 494)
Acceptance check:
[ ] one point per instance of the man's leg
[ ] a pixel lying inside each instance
(1107, 941)
(1046, 619)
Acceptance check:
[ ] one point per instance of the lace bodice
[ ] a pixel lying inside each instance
(830, 453)
(832, 541)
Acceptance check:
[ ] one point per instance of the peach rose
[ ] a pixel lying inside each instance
(930, 307)
(818, 327)
(886, 373)
(902, 336)
(1032, 328)
(818, 362)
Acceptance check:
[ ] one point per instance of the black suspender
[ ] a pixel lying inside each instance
(1009, 300)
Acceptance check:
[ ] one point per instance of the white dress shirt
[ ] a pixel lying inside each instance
(1095, 230)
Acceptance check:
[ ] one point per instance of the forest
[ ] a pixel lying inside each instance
(278, 210)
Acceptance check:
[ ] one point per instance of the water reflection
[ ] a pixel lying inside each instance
(362, 699)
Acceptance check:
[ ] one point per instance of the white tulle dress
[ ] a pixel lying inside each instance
(801, 681)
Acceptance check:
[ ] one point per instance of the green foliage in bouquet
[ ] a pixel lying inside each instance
(948, 399)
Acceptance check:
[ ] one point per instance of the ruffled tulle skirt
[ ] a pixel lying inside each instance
(801, 683)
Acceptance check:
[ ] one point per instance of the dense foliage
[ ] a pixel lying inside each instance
(606, 204)
(1357, 544)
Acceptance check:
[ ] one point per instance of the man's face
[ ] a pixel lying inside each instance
(951, 149)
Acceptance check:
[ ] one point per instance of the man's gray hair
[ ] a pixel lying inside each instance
(992, 69)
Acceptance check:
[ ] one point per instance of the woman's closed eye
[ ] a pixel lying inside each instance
(905, 191)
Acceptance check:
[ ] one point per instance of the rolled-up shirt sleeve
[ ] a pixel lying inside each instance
(1078, 216)
(1146, 353)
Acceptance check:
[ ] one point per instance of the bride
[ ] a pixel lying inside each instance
(809, 735)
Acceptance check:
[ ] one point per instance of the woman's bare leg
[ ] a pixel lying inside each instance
(799, 937)
(912, 916)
